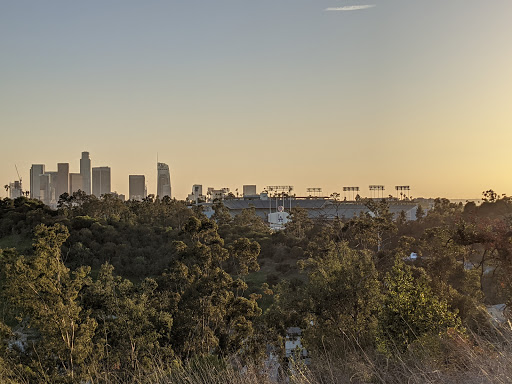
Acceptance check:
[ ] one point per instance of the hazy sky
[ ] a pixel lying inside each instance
(312, 93)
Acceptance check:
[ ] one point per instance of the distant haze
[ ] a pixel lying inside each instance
(323, 93)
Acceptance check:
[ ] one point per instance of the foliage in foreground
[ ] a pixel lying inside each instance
(155, 292)
(451, 359)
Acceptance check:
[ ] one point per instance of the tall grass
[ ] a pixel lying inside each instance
(448, 359)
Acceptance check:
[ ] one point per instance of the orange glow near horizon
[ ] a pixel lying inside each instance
(403, 93)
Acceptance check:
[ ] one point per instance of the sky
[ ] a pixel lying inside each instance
(308, 93)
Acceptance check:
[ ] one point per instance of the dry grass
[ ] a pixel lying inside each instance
(203, 372)
(451, 359)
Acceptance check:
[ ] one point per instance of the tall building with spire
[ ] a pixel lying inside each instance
(163, 187)
(85, 171)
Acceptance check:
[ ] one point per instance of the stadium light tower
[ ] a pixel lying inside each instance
(376, 191)
(314, 192)
(351, 191)
(283, 191)
(402, 188)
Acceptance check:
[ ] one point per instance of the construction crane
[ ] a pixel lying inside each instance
(19, 178)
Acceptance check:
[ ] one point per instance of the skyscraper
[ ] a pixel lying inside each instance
(47, 185)
(15, 190)
(163, 180)
(85, 171)
(62, 179)
(35, 186)
(137, 187)
(75, 182)
(100, 181)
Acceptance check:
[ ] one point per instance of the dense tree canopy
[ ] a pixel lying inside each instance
(101, 285)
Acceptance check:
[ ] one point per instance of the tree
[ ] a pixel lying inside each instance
(401, 218)
(211, 315)
(64, 201)
(489, 196)
(420, 212)
(410, 310)
(372, 229)
(300, 223)
(443, 211)
(6, 334)
(342, 296)
(245, 256)
(112, 208)
(46, 295)
(132, 325)
(221, 215)
(445, 250)
(248, 222)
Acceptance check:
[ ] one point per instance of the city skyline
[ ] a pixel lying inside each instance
(324, 93)
(47, 186)
(87, 162)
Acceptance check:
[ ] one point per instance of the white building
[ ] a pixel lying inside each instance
(216, 194)
(197, 194)
(278, 220)
(293, 346)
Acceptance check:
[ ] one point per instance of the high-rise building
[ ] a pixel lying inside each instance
(15, 190)
(85, 171)
(45, 188)
(47, 183)
(75, 182)
(163, 180)
(62, 179)
(100, 181)
(35, 186)
(137, 187)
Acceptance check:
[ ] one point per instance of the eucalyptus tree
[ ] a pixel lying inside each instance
(342, 296)
(46, 297)
(211, 314)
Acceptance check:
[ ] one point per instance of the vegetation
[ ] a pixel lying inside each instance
(104, 291)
